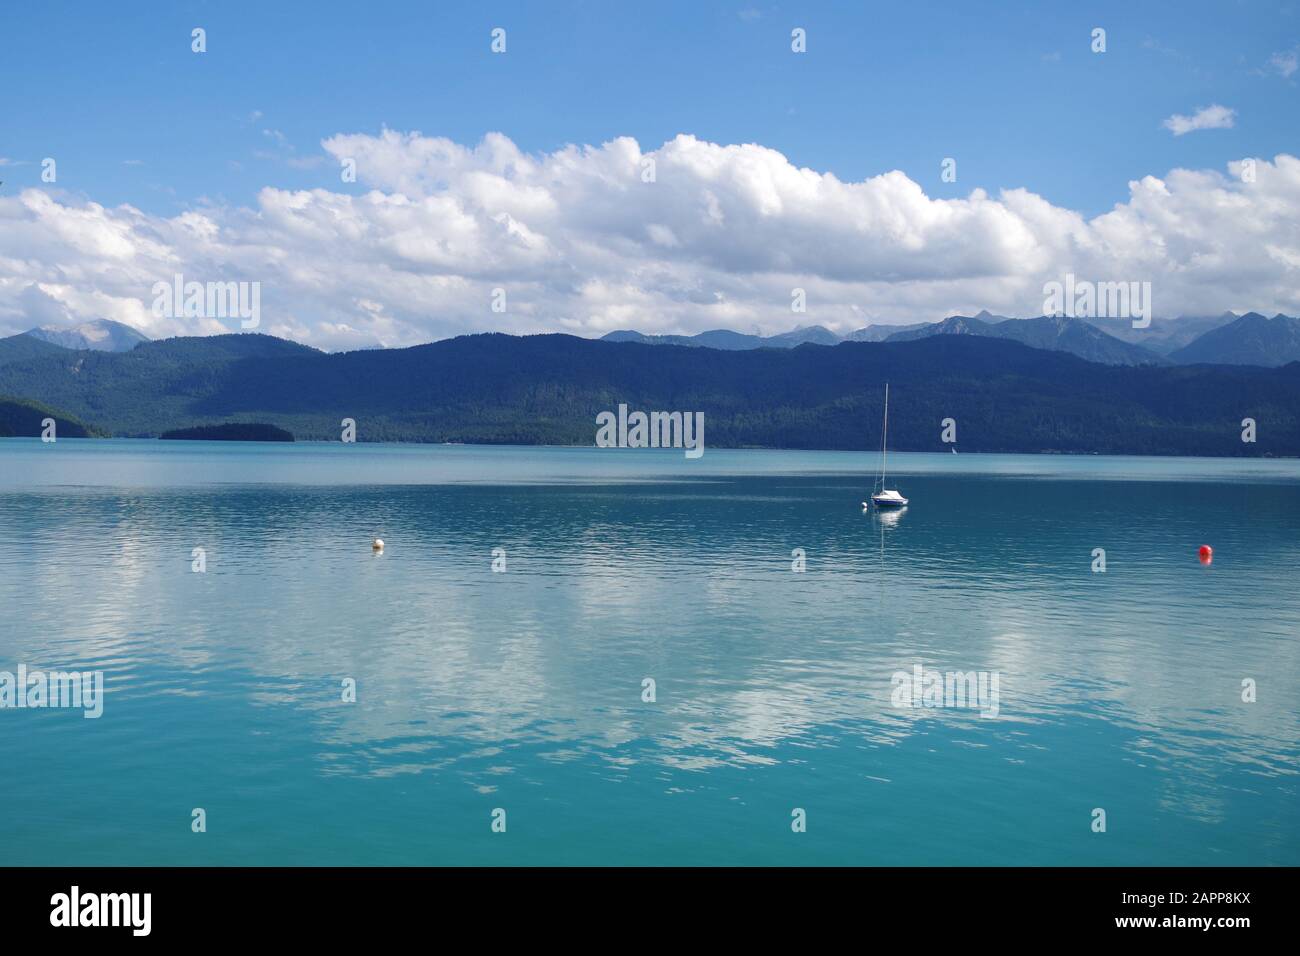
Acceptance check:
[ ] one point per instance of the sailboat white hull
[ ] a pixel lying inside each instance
(889, 499)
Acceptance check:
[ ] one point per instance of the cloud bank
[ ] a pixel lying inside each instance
(690, 236)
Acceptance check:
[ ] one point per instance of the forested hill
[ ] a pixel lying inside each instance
(1004, 396)
(25, 419)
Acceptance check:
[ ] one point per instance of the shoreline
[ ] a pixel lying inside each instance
(320, 442)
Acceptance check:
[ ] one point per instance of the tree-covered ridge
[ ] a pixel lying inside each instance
(22, 418)
(548, 389)
(229, 431)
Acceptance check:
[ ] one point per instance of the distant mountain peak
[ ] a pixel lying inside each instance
(817, 334)
(1251, 339)
(961, 325)
(731, 341)
(100, 335)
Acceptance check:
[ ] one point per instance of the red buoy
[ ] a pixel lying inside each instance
(1207, 554)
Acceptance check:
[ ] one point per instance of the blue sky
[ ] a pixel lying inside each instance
(1012, 92)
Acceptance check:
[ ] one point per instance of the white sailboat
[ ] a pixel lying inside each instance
(885, 498)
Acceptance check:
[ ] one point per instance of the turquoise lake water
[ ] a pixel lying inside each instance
(522, 690)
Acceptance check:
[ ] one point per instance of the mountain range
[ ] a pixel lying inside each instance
(1229, 339)
(547, 389)
(727, 339)
(1250, 339)
(1054, 333)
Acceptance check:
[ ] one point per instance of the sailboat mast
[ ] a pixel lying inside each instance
(884, 440)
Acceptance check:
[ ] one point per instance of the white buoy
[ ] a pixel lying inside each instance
(377, 544)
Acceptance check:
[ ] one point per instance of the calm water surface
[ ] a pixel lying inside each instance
(523, 690)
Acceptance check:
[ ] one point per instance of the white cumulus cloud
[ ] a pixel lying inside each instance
(1209, 117)
(581, 240)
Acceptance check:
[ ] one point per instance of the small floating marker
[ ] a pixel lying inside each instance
(377, 544)
(1207, 554)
